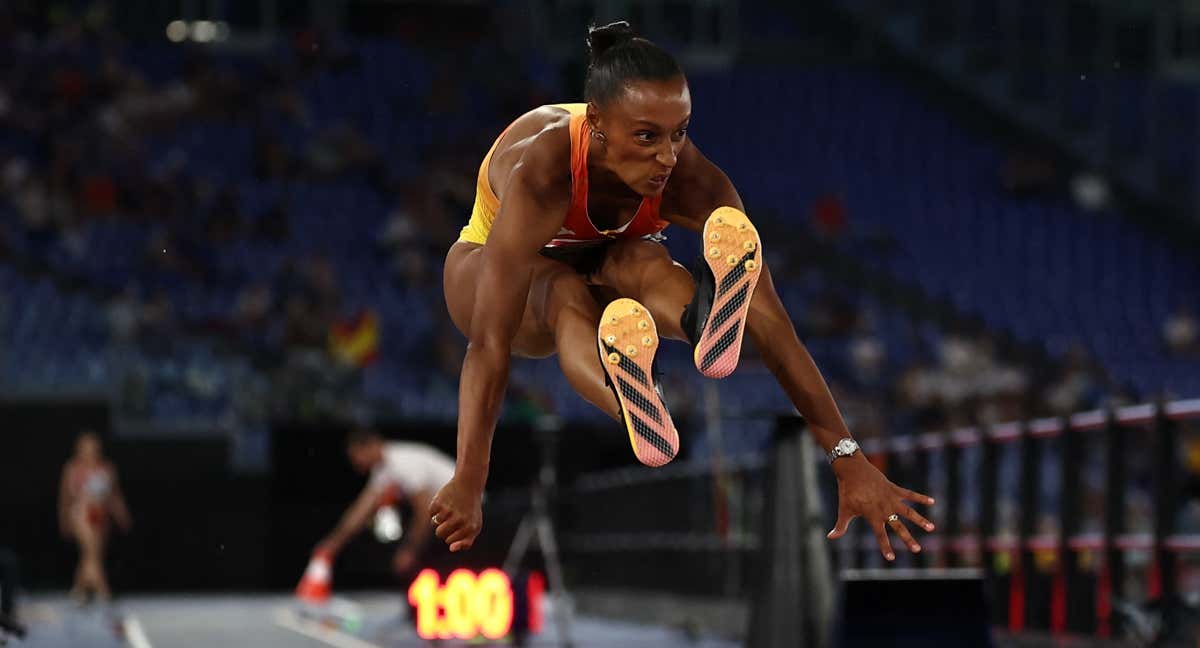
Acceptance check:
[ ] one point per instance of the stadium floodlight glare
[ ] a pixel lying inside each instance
(177, 31)
(204, 31)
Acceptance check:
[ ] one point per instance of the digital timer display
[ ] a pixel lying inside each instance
(466, 606)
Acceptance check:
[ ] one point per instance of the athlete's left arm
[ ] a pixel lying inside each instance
(699, 187)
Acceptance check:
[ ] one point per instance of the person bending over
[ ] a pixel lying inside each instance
(399, 472)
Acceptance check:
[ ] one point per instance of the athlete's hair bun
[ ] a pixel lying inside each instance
(620, 57)
(601, 39)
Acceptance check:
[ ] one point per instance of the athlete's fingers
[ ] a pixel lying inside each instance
(446, 529)
(898, 527)
(915, 517)
(885, 545)
(914, 496)
(465, 533)
(839, 529)
(462, 545)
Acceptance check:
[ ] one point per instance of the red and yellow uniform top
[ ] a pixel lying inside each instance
(577, 228)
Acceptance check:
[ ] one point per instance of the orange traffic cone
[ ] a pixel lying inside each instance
(315, 584)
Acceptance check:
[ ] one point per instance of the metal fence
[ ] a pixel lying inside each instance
(1067, 517)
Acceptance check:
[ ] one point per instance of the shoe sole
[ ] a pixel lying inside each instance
(628, 339)
(733, 252)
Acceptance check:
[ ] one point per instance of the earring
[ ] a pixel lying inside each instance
(599, 136)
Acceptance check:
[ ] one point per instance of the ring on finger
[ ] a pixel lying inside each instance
(435, 520)
(893, 518)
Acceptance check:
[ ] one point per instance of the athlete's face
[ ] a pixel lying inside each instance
(644, 131)
(88, 447)
(364, 456)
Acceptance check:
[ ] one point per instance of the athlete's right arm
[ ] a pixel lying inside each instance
(535, 200)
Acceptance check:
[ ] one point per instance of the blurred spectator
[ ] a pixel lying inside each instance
(1029, 173)
(831, 315)
(124, 312)
(829, 216)
(302, 328)
(98, 194)
(868, 354)
(398, 231)
(254, 304)
(37, 204)
(341, 149)
(13, 174)
(918, 393)
(73, 239)
(323, 289)
(1090, 191)
(1181, 332)
(1076, 387)
(862, 413)
(1002, 387)
(158, 323)
(412, 268)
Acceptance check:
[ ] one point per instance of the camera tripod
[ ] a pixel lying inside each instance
(538, 526)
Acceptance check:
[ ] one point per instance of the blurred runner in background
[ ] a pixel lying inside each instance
(89, 494)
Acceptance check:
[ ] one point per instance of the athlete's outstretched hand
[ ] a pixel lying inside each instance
(864, 491)
(457, 513)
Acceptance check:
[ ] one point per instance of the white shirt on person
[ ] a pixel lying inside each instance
(410, 468)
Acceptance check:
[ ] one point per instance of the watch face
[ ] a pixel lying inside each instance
(846, 446)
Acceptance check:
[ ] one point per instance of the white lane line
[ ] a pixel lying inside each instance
(135, 633)
(285, 618)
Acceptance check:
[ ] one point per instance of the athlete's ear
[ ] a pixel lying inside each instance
(593, 117)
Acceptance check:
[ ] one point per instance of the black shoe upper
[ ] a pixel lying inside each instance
(695, 315)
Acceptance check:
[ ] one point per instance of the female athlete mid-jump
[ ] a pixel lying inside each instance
(561, 256)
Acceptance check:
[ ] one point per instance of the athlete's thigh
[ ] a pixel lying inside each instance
(552, 284)
(626, 264)
(85, 534)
